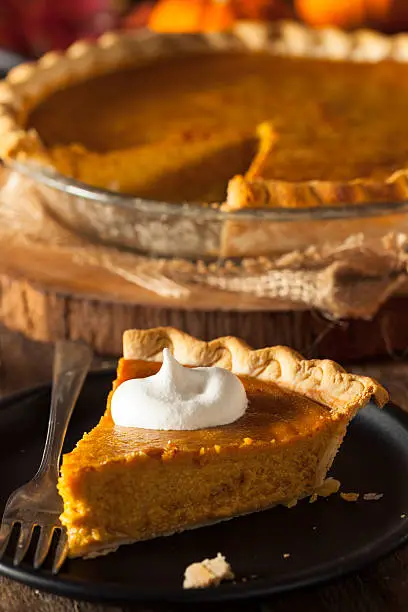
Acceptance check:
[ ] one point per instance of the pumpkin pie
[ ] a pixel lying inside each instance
(121, 485)
(178, 117)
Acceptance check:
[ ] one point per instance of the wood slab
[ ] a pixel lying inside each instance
(47, 295)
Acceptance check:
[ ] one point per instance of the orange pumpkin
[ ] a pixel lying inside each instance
(386, 15)
(207, 15)
(191, 15)
(345, 14)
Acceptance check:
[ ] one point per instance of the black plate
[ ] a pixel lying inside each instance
(325, 540)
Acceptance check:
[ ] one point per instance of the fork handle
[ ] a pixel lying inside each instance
(71, 364)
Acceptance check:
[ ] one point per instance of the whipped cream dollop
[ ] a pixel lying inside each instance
(179, 398)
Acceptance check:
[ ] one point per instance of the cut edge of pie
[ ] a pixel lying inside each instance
(324, 382)
(29, 84)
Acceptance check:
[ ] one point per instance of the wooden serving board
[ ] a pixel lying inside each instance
(46, 295)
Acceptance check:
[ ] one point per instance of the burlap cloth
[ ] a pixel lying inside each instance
(350, 277)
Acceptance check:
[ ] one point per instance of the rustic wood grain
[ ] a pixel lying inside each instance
(46, 295)
(380, 588)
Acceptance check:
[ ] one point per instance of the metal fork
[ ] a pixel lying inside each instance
(37, 504)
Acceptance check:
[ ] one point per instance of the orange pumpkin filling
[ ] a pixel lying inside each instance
(181, 128)
(166, 480)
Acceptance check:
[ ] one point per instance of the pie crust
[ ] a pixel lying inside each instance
(29, 84)
(323, 381)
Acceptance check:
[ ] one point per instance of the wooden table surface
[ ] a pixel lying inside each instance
(379, 588)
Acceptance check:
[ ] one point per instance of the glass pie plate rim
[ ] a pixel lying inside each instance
(54, 180)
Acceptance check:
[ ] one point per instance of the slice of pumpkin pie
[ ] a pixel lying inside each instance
(216, 430)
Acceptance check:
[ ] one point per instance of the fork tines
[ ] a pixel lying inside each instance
(47, 533)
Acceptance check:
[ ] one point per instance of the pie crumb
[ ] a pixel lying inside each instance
(328, 487)
(403, 516)
(350, 497)
(286, 555)
(207, 573)
(372, 496)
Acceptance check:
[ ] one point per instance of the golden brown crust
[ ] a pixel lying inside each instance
(27, 85)
(323, 381)
(244, 192)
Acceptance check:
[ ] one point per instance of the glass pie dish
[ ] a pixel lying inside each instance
(196, 232)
